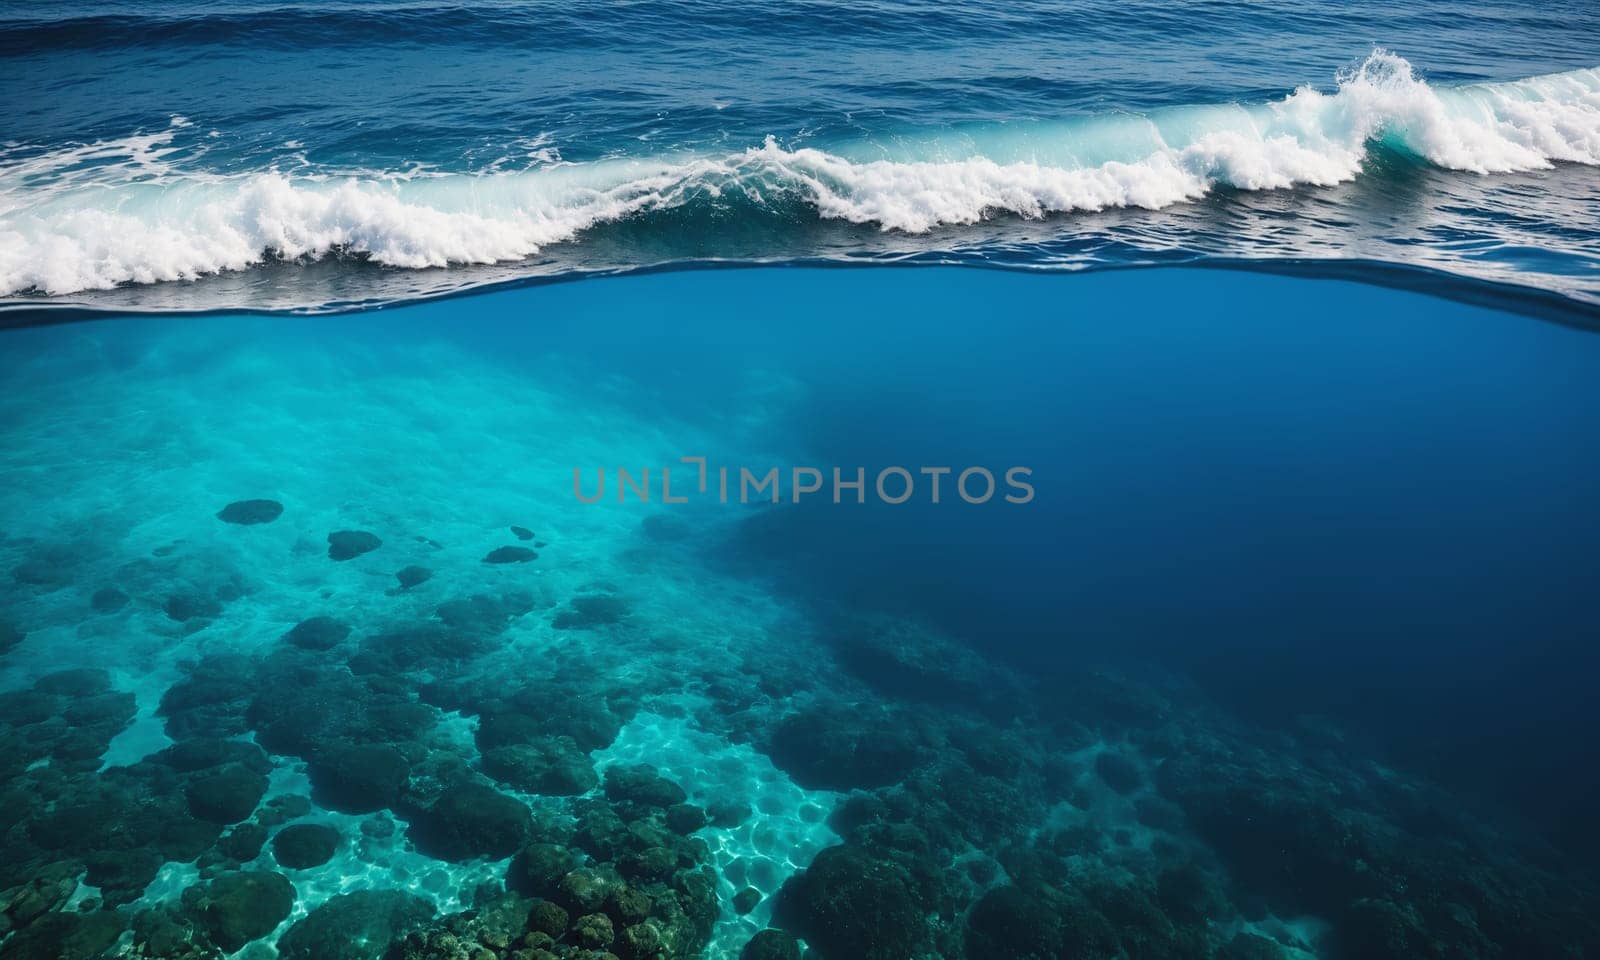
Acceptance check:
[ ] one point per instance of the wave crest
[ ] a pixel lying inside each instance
(142, 218)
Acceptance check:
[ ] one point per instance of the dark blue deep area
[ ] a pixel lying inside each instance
(1374, 506)
(381, 84)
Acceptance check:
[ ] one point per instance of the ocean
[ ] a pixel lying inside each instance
(887, 481)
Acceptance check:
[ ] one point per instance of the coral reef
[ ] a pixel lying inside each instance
(529, 762)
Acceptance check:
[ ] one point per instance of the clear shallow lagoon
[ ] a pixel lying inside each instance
(1288, 657)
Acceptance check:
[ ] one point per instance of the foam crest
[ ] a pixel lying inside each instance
(94, 217)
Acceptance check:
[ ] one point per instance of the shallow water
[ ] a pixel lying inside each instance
(1286, 656)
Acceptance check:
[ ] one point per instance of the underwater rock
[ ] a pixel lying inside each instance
(689, 926)
(585, 890)
(249, 512)
(553, 766)
(1280, 837)
(47, 890)
(485, 614)
(317, 633)
(771, 945)
(237, 908)
(1118, 772)
(589, 611)
(500, 729)
(227, 795)
(685, 818)
(538, 869)
(502, 918)
(106, 713)
(840, 749)
(283, 808)
(471, 820)
(10, 636)
(301, 706)
(184, 607)
(76, 682)
(187, 756)
(1013, 921)
(301, 846)
(510, 555)
(428, 647)
(485, 933)
(27, 707)
(120, 825)
(65, 936)
(640, 941)
(522, 533)
(849, 904)
(124, 875)
(639, 783)
(1249, 946)
(163, 933)
(243, 843)
(548, 918)
(53, 566)
(108, 600)
(1010, 922)
(354, 926)
(628, 904)
(953, 806)
(413, 576)
(212, 700)
(360, 778)
(651, 863)
(349, 544)
(391, 716)
(602, 833)
(1375, 929)
(594, 931)
(546, 710)
(910, 663)
(1188, 894)
(1298, 838)
(746, 900)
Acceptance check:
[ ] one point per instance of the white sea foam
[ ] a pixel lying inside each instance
(93, 217)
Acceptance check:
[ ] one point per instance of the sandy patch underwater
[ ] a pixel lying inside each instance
(644, 739)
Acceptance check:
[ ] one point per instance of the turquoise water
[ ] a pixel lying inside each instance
(1063, 480)
(1286, 656)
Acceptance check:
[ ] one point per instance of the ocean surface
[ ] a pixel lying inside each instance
(308, 156)
(1042, 481)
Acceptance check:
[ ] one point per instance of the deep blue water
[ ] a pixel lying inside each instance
(312, 647)
(1288, 655)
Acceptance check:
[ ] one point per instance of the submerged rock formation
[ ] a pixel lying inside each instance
(349, 544)
(249, 512)
(301, 846)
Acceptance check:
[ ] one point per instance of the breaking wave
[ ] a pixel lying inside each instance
(135, 211)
